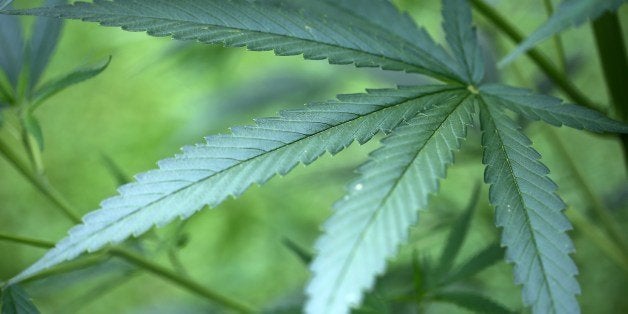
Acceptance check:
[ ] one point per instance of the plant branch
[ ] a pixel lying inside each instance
(26, 241)
(184, 282)
(612, 52)
(610, 46)
(539, 59)
(141, 263)
(41, 184)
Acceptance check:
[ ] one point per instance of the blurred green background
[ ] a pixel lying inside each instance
(158, 95)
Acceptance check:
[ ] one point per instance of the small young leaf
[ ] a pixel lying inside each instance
(530, 213)
(457, 234)
(472, 301)
(16, 301)
(321, 31)
(373, 219)
(43, 43)
(461, 37)
(550, 109)
(227, 165)
(11, 48)
(569, 13)
(49, 89)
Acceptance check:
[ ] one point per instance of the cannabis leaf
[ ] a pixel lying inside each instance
(373, 219)
(424, 125)
(206, 174)
(316, 29)
(530, 213)
(569, 13)
(16, 301)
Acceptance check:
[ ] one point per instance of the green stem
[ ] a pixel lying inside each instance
(138, 261)
(539, 59)
(172, 276)
(42, 185)
(612, 52)
(611, 49)
(26, 241)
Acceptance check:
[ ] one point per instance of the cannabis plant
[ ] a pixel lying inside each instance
(423, 127)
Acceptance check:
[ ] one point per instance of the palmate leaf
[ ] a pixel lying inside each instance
(530, 213)
(226, 165)
(569, 13)
(316, 29)
(373, 219)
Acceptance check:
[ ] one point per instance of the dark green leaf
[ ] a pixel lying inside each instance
(472, 301)
(373, 219)
(462, 40)
(549, 109)
(303, 254)
(78, 75)
(530, 213)
(115, 170)
(11, 48)
(457, 234)
(42, 44)
(16, 301)
(569, 13)
(486, 258)
(316, 29)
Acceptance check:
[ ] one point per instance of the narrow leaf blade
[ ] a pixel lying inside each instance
(460, 34)
(569, 13)
(473, 302)
(550, 109)
(322, 31)
(78, 75)
(226, 165)
(373, 219)
(11, 48)
(485, 258)
(16, 301)
(530, 213)
(43, 43)
(458, 234)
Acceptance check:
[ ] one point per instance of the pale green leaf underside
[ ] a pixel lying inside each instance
(550, 109)
(568, 13)
(460, 35)
(530, 213)
(226, 165)
(16, 301)
(316, 29)
(373, 219)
